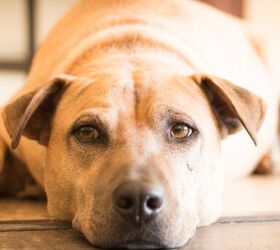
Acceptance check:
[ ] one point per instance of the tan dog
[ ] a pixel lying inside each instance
(131, 130)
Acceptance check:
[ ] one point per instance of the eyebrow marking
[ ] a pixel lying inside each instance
(87, 83)
(136, 88)
(82, 90)
(168, 112)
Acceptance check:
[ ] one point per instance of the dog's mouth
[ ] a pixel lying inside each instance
(134, 240)
(139, 243)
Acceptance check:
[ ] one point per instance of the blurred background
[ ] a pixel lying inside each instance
(24, 23)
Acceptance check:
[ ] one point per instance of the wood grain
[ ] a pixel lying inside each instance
(241, 233)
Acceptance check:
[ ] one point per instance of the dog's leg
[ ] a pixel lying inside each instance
(275, 157)
(15, 180)
(265, 165)
(3, 149)
(270, 163)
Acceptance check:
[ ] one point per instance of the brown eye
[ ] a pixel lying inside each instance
(181, 131)
(87, 133)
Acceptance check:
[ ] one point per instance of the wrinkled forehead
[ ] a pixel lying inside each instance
(137, 96)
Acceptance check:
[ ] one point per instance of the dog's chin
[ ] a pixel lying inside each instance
(123, 235)
(139, 243)
(142, 244)
(136, 243)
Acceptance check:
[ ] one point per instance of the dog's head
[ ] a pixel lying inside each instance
(134, 161)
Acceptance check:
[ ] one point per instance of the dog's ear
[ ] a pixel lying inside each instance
(31, 114)
(233, 106)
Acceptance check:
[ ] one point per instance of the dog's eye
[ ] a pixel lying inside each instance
(181, 131)
(87, 133)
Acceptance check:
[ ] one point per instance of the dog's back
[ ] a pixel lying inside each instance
(208, 39)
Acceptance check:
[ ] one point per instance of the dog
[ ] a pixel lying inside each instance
(133, 116)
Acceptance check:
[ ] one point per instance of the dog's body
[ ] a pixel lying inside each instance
(106, 41)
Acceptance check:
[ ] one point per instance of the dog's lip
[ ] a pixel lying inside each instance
(139, 243)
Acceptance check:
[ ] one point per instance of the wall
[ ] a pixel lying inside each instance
(14, 39)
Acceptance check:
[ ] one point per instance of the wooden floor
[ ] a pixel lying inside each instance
(27, 225)
(250, 233)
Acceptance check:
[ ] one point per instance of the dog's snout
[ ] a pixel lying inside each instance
(138, 202)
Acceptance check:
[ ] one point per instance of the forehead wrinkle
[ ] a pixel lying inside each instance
(142, 94)
(103, 90)
(139, 138)
(77, 90)
(136, 96)
(84, 88)
(188, 87)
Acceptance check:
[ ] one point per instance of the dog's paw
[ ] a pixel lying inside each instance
(265, 165)
(269, 163)
(275, 158)
(32, 191)
(2, 154)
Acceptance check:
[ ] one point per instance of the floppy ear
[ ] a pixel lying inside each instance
(233, 106)
(31, 114)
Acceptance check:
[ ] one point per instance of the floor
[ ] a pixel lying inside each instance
(255, 195)
(252, 233)
(251, 220)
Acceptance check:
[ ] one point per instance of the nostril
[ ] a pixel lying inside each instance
(154, 203)
(138, 202)
(124, 202)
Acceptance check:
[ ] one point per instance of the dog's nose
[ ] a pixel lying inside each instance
(138, 202)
